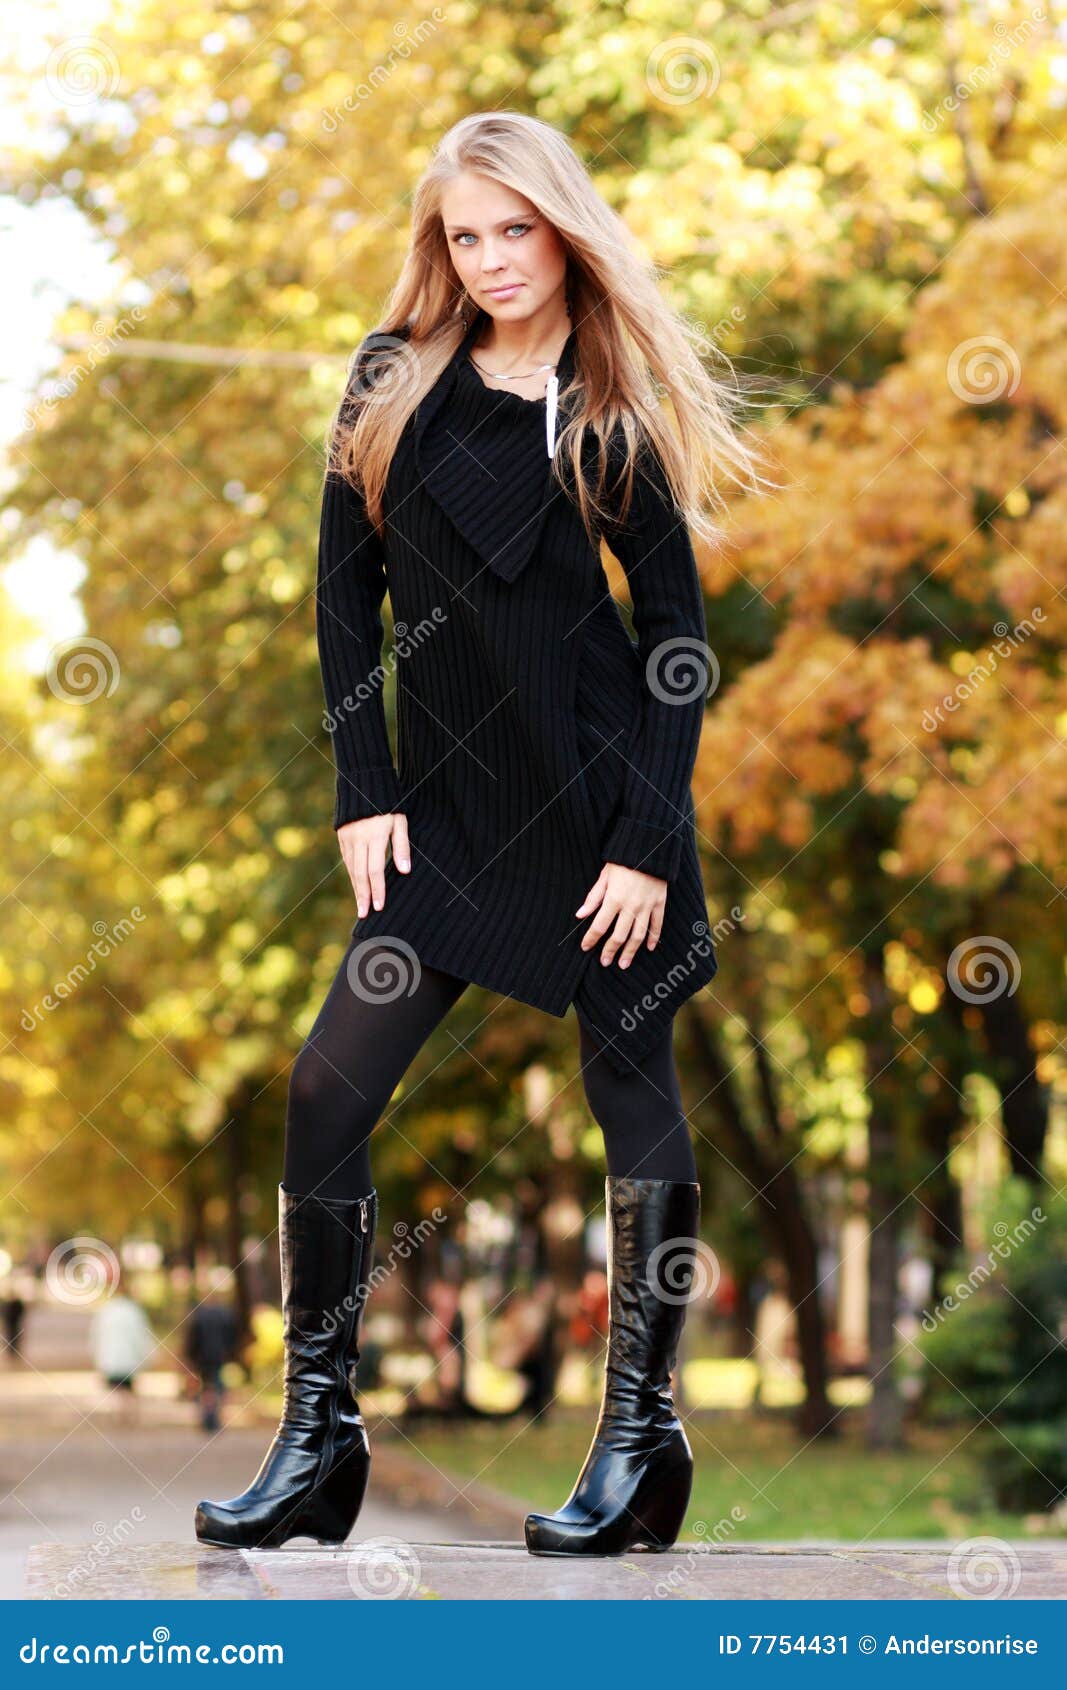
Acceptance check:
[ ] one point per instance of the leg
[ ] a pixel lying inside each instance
(313, 1477)
(210, 1393)
(633, 1489)
(646, 1134)
(363, 1040)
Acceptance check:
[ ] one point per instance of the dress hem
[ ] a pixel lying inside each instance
(624, 1057)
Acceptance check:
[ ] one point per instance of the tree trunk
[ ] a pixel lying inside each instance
(883, 1207)
(1023, 1101)
(976, 195)
(743, 1320)
(939, 1124)
(786, 1227)
(235, 1164)
(195, 1231)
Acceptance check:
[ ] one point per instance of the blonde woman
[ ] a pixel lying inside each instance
(535, 835)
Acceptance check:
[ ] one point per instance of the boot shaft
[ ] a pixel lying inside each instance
(652, 1242)
(326, 1251)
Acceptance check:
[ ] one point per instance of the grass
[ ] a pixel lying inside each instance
(754, 1478)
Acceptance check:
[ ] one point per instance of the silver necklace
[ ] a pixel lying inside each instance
(551, 395)
(498, 375)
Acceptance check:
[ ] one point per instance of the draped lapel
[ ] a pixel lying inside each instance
(488, 524)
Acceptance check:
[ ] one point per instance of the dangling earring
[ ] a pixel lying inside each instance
(466, 310)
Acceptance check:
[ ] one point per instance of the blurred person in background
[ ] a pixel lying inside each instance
(210, 1342)
(14, 1312)
(121, 1340)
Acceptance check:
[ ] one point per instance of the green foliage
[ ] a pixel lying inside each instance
(995, 1347)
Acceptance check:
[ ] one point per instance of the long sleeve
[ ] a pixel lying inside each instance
(656, 553)
(348, 596)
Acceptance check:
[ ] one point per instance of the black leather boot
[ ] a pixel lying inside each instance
(313, 1477)
(634, 1487)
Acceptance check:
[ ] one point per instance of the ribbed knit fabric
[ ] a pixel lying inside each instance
(535, 740)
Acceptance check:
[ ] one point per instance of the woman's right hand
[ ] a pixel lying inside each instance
(363, 846)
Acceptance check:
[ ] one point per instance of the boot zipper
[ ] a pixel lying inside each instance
(335, 1412)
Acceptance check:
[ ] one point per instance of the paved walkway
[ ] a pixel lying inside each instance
(90, 1507)
(385, 1567)
(71, 1474)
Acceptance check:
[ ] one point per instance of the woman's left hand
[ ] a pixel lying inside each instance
(634, 902)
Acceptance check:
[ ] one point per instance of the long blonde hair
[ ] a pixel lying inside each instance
(631, 345)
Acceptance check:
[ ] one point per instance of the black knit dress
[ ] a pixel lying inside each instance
(535, 740)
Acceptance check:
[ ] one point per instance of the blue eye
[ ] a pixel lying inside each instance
(525, 228)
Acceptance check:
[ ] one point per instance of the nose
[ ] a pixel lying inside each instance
(492, 259)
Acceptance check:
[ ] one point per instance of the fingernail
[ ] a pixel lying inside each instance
(403, 863)
(362, 908)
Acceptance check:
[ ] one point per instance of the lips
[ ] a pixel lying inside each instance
(510, 287)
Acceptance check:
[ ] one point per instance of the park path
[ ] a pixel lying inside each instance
(71, 1473)
(92, 1508)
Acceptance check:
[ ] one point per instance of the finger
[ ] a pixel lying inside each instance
(401, 848)
(600, 924)
(358, 873)
(595, 893)
(346, 852)
(634, 942)
(655, 926)
(376, 872)
(617, 936)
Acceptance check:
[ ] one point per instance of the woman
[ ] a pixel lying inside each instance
(122, 1341)
(539, 816)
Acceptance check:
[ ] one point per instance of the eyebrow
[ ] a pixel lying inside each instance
(505, 222)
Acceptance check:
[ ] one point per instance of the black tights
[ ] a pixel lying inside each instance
(363, 1040)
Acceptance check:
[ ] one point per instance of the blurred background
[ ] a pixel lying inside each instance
(202, 208)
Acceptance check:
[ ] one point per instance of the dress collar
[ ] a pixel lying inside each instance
(489, 529)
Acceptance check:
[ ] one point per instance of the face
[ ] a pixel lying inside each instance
(507, 255)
